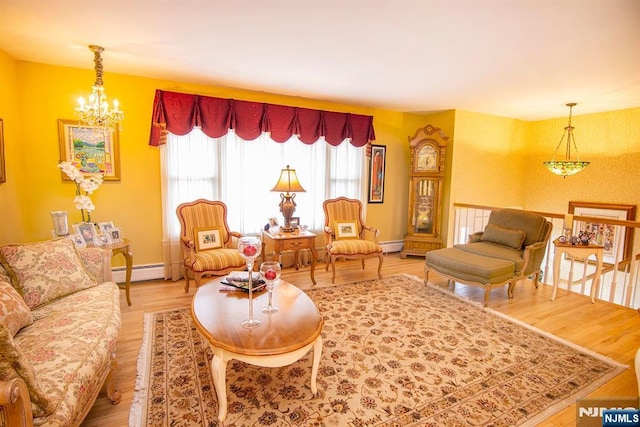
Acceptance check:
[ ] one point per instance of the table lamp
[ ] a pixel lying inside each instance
(288, 183)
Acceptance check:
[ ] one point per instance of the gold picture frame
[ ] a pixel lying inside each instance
(208, 238)
(346, 230)
(94, 150)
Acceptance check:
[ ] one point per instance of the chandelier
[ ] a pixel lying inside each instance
(96, 112)
(567, 167)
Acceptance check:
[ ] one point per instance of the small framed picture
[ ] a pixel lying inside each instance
(102, 240)
(116, 235)
(105, 227)
(295, 221)
(87, 231)
(273, 222)
(77, 240)
(208, 238)
(346, 230)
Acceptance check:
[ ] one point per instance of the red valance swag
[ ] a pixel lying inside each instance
(178, 113)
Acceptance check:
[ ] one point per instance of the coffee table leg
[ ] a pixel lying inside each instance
(317, 352)
(219, 373)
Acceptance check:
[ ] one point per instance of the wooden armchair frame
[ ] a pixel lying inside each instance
(204, 213)
(345, 209)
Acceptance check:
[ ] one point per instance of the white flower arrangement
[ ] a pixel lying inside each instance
(88, 185)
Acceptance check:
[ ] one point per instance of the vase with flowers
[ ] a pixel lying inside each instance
(85, 186)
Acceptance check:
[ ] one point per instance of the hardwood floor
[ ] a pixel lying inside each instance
(607, 329)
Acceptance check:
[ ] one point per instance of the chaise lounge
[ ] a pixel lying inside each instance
(511, 247)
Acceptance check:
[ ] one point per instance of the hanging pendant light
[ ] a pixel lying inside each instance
(567, 167)
(96, 111)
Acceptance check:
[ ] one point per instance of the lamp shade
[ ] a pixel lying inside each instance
(288, 182)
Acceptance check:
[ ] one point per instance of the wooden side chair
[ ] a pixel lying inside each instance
(346, 236)
(206, 241)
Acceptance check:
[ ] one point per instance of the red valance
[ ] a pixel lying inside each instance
(178, 113)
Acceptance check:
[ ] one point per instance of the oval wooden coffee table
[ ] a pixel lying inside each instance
(282, 338)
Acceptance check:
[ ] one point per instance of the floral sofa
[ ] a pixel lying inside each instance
(59, 324)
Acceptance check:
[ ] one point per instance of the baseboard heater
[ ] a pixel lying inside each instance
(139, 273)
(156, 271)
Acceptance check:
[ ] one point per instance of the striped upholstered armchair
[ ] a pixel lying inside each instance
(206, 241)
(346, 236)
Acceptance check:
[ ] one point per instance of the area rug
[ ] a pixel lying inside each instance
(396, 353)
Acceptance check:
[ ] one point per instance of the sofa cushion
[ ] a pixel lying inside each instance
(503, 236)
(354, 247)
(70, 344)
(14, 363)
(45, 271)
(493, 250)
(532, 224)
(4, 274)
(14, 312)
(469, 267)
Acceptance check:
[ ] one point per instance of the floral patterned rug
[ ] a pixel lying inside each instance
(396, 353)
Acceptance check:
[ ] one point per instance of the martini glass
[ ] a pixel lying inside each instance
(270, 272)
(250, 247)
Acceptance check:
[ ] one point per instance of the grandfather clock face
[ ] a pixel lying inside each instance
(426, 158)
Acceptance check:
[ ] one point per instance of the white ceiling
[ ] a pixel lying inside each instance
(515, 58)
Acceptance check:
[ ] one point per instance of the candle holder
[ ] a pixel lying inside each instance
(250, 247)
(60, 223)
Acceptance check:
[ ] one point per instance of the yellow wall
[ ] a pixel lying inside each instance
(134, 202)
(491, 160)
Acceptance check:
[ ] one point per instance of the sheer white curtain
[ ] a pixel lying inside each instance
(242, 173)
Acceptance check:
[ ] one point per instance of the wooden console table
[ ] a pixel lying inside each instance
(577, 251)
(292, 242)
(124, 248)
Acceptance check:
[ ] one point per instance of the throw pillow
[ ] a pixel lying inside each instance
(14, 312)
(45, 271)
(13, 364)
(347, 229)
(504, 236)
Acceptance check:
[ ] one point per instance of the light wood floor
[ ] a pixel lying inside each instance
(602, 327)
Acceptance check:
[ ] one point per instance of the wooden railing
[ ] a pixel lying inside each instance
(620, 278)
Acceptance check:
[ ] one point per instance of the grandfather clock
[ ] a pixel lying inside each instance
(426, 180)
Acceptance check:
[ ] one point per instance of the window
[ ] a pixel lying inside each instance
(242, 174)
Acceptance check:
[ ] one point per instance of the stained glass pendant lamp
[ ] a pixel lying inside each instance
(567, 167)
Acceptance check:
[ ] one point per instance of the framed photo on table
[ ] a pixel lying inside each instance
(92, 149)
(87, 231)
(614, 238)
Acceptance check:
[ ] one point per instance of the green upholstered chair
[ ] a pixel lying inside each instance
(218, 257)
(346, 236)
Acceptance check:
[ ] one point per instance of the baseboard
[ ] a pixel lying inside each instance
(139, 273)
(156, 271)
(392, 246)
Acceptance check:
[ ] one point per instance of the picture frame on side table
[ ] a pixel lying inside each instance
(93, 150)
(87, 231)
(102, 240)
(295, 221)
(78, 240)
(106, 227)
(116, 235)
(376, 173)
(208, 238)
(3, 171)
(612, 237)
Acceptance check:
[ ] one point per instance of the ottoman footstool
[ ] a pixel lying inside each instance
(471, 269)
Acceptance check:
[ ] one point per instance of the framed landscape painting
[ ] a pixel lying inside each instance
(92, 149)
(614, 238)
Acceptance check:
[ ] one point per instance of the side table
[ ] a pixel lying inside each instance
(577, 251)
(292, 242)
(124, 248)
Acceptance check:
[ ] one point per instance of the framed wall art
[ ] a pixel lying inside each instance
(3, 172)
(208, 238)
(614, 238)
(92, 149)
(376, 173)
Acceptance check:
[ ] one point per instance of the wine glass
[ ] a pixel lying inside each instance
(270, 271)
(250, 247)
